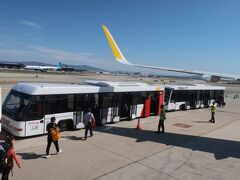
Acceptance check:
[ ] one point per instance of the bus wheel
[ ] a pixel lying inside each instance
(65, 125)
(183, 107)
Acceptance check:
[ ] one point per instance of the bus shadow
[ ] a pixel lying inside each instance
(30, 156)
(219, 147)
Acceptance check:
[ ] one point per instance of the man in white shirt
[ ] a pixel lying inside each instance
(89, 122)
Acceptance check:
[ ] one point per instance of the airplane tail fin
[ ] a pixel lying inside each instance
(115, 49)
(59, 65)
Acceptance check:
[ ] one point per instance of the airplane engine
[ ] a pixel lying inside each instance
(211, 78)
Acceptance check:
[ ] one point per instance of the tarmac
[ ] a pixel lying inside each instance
(192, 148)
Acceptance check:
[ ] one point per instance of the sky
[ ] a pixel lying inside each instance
(186, 34)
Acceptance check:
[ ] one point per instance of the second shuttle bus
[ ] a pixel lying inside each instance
(183, 97)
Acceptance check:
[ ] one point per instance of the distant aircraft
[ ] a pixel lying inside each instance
(207, 76)
(44, 68)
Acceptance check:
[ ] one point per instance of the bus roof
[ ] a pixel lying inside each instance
(54, 88)
(111, 83)
(195, 87)
(125, 86)
(61, 88)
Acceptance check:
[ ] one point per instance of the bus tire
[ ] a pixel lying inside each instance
(65, 125)
(183, 107)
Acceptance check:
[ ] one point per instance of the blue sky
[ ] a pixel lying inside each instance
(189, 34)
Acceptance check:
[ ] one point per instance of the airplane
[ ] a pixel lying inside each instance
(44, 68)
(207, 76)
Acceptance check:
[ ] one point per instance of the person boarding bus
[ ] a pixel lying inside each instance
(89, 122)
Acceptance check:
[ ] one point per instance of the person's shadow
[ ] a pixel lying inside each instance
(30, 156)
(75, 138)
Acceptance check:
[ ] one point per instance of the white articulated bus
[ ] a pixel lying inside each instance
(181, 97)
(29, 106)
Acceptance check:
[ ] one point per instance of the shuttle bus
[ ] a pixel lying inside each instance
(28, 107)
(192, 96)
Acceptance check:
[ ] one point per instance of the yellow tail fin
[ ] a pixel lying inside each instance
(113, 45)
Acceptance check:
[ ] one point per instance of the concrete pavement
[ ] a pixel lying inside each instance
(119, 151)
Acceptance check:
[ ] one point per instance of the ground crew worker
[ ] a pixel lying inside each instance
(89, 122)
(213, 111)
(162, 117)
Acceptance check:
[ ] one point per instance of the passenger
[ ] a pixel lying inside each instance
(89, 122)
(10, 156)
(162, 118)
(220, 101)
(213, 111)
(52, 125)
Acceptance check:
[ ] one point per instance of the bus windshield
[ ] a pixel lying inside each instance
(14, 104)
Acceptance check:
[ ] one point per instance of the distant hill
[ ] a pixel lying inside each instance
(83, 67)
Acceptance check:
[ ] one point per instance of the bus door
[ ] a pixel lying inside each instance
(161, 101)
(205, 98)
(125, 105)
(116, 103)
(110, 115)
(148, 105)
(202, 94)
(92, 102)
(192, 99)
(156, 102)
(106, 108)
(78, 119)
(35, 121)
(172, 102)
(137, 107)
(197, 102)
(81, 108)
(211, 98)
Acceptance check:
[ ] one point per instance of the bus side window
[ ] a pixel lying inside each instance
(70, 102)
(66, 103)
(81, 103)
(35, 111)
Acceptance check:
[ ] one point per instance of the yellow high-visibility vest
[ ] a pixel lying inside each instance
(213, 108)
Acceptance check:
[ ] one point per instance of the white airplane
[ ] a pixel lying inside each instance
(44, 68)
(207, 76)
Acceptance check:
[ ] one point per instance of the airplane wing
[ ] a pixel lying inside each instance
(209, 76)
